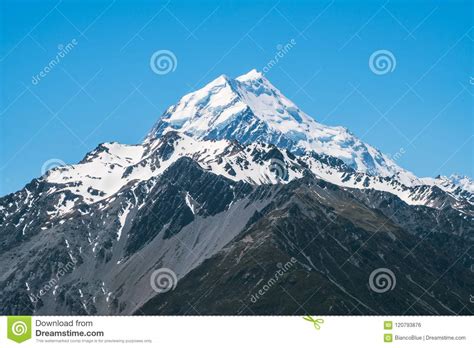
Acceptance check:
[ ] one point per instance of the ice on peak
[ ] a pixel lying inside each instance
(220, 80)
(462, 181)
(249, 82)
(249, 108)
(253, 74)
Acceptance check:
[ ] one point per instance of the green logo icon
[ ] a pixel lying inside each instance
(316, 322)
(19, 328)
(387, 325)
(387, 338)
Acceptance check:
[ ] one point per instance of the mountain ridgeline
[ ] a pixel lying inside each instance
(249, 206)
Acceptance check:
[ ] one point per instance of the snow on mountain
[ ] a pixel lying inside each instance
(245, 129)
(101, 173)
(454, 181)
(460, 187)
(249, 108)
(110, 167)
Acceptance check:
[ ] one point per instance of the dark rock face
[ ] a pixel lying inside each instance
(211, 195)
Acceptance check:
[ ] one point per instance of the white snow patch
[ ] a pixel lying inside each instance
(189, 202)
(122, 219)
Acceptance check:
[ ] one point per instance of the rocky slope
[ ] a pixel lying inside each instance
(312, 250)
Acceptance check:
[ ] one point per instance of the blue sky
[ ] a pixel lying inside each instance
(103, 89)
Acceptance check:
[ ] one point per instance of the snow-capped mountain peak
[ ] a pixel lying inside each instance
(250, 108)
(253, 74)
(459, 186)
(462, 181)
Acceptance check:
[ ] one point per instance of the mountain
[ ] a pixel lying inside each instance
(249, 109)
(233, 185)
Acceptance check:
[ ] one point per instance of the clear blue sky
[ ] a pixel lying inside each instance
(424, 106)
